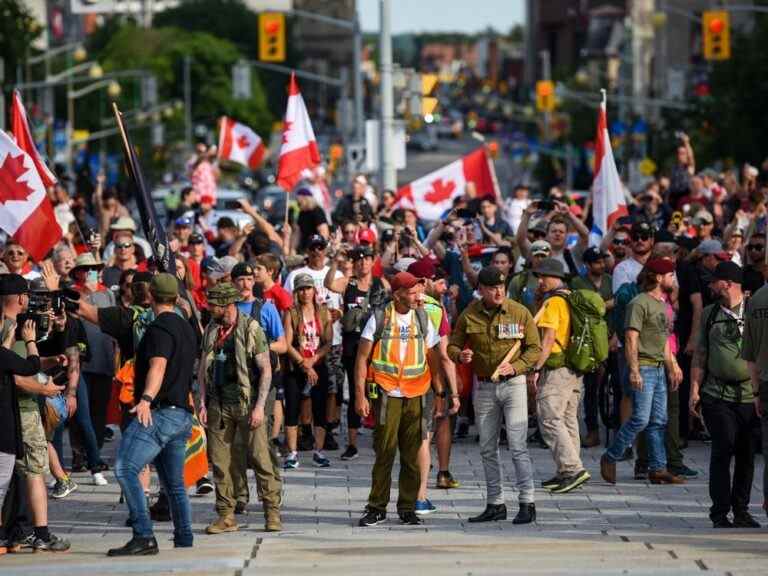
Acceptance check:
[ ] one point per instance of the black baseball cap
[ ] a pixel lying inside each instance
(491, 276)
(317, 240)
(11, 284)
(196, 238)
(641, 228)
(593, 255)
(729, 271)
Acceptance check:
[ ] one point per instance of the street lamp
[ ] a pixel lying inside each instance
(113, 90)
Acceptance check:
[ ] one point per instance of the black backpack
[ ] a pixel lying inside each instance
(356, 317)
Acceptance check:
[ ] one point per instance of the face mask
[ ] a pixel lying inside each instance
(92, 277)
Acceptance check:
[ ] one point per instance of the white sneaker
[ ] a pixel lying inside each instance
(99, 480)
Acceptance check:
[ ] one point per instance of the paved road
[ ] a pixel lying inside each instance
(632, 528)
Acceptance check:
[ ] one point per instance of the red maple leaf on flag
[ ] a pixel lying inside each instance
(243, 141)
(10, 172)
(286, 130)
(440, 191)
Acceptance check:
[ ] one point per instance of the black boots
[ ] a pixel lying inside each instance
(492, 513)
(136, 547)
(526, 515)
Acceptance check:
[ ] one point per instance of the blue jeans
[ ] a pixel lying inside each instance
(164, 442)
(649, 413)
(83, 418)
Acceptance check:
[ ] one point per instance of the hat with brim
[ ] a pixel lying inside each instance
(11, 284)
(491, 276)
(660, 266)
(550, 267)
(541, 248)
(303, 281)
(223, 294)
(87, 260)
(728, 271)
(123, 223)
(404, 281)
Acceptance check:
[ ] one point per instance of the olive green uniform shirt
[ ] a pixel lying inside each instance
(755, 343)
(727, 375)
(491, 333)
(648, 316)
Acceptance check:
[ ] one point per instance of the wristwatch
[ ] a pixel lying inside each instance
(147, 398)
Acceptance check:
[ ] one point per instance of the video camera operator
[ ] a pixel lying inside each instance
(27, 422)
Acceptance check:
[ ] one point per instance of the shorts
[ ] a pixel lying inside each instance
(35, 460)
(428, 423)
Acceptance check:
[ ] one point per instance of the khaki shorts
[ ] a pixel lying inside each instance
(35, 460)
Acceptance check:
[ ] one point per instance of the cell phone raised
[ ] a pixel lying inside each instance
(232, 205)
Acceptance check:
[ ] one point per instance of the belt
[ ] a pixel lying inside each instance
(167, 404)
(501, 380)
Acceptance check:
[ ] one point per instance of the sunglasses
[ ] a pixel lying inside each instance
(621, 242)
(124, 245)
(642, 237)
(756, 246)
(539, 235)
(317, 248)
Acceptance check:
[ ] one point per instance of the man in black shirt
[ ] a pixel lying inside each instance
(163, 420)
(311, 219)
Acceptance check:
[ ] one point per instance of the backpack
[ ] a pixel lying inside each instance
(355, 318)
(588, 346)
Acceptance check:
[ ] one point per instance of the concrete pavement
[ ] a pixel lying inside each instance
(631, 528)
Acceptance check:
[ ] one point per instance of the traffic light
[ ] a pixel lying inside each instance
(545, 96)
(271, 37)
(716, 34)
(429, 102)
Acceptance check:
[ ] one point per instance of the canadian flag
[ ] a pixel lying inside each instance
(433, 194)
(239, 143)
(25, 211)
(23, 135)
(607, 191)
(299, 150)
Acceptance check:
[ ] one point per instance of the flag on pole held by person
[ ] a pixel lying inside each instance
(607, 191)
(239, 143)
(26, 213)
(433, 194)
(299, 149)
(23, 134)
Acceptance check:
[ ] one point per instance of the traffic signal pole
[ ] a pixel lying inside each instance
(388, 170)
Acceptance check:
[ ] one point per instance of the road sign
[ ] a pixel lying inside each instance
(241, 81)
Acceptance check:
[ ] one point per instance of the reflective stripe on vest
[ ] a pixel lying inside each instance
(411, 376)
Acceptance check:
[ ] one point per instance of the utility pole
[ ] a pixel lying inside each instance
(388, 170)
(357, 81)
(546, 74)
(532, 22)
(188, 101)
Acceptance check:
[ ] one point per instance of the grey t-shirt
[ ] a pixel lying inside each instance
(755, 342)
(102, 347)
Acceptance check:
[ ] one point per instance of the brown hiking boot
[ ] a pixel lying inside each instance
(591, 440)
(608, 470)
(272, 521)
(665, 477)
(223, 524)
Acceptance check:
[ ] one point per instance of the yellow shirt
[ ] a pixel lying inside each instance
(556, 315)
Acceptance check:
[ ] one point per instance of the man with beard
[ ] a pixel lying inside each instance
(721, 392)
(648, 354)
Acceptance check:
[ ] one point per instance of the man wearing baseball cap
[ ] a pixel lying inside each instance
(721, 393)
(162, 387)
(523, 285)
(435, 287)
(650, 362)
(398, 360)
(498, 337)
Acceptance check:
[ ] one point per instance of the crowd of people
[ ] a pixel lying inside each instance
(264, 343)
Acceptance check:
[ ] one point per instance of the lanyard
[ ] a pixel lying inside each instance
(738, 317)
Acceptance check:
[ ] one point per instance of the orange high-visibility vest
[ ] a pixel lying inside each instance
(411, 376)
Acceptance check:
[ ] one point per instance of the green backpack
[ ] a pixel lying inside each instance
(588, 347)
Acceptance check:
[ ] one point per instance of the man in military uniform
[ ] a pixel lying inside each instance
(485, 335)
(721, 392)
(233, 408)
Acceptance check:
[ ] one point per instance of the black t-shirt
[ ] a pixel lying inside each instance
(690, 283)
(73, 336)
(117, 321)
(171, 337)
(309, 221)
(753, 279)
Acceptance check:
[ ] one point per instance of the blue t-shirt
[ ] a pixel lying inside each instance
(270, 318)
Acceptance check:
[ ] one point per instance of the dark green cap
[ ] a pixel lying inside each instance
(223, 294)
(164, 286)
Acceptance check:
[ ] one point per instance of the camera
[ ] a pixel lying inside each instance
(41, 302)
(545, 205)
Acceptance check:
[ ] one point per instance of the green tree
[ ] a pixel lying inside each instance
(162, 50)
(18, 29)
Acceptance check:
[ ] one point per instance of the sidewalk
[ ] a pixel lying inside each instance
(632, 528)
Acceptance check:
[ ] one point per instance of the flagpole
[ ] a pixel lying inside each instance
(494, 179)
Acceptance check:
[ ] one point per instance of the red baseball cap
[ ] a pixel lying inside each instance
(366, 237)
(660, 266)
(404, 280)
(424, 268)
